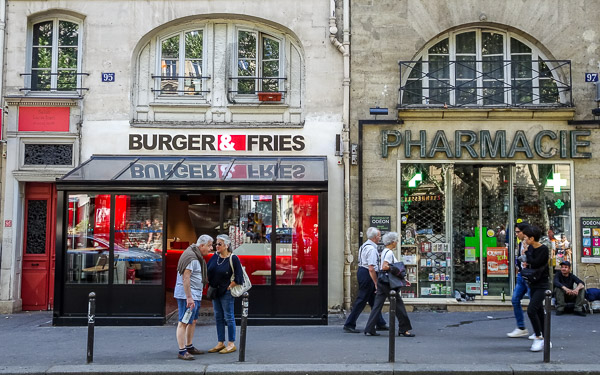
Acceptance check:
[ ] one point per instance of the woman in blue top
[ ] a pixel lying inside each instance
(219, 270)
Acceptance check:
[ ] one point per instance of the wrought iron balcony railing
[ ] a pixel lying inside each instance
(468, 83)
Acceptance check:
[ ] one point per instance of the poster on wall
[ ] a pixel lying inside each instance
(469, 254)
(497, 261)
(590, 239)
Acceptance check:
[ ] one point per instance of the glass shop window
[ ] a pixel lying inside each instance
(88, 238)
(138, 245)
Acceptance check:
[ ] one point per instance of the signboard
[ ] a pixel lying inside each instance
(591, 77)
(470, 254)
(108, 77)
(497, 262)
(590, 239)
(383, 223)
(39, 119)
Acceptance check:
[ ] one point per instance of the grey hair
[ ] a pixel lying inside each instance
(389, 237)
(372, 232)
(204, 239)
(226, 240)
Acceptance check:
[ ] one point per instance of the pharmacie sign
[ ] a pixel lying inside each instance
(216, 142)
(489, 144)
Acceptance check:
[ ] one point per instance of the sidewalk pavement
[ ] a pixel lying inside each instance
(449, 343)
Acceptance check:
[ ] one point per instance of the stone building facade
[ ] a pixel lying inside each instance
(484, 120)
(226, 79)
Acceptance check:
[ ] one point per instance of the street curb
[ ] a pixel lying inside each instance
(304, 369)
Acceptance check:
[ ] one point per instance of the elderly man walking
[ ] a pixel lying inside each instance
(191, 277)
(368, 265)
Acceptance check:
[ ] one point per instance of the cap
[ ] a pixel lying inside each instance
(565, 263)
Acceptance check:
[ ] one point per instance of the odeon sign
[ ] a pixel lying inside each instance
(483, 144)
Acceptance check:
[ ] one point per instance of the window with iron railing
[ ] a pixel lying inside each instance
(181, 65)
(482, 68)
(55, 64)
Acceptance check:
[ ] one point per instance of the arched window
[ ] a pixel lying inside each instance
(258, 59)
(55, 55)
(482, 67)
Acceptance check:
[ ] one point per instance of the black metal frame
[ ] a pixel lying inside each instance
(555, 72)
(56, 90)
(176, 77)
(77, 293)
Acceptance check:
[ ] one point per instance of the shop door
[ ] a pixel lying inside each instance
(277, 240)
(480, 217)
(37, 288)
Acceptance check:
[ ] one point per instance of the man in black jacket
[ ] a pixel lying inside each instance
(568, 288)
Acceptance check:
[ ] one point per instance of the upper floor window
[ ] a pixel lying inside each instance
(484, 68)
(258, 63)
(55, 56)
(181, 64)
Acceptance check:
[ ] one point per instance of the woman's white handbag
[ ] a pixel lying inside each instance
(239, 290)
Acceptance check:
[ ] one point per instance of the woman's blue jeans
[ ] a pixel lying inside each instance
(223, 307)
(521, 288)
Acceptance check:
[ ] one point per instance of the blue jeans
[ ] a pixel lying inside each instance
(223, 307)
(521, 288)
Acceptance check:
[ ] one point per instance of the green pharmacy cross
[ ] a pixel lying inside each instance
(559, 204)
(556, 182)
(406, 201)
(473, 242)
(414, 181)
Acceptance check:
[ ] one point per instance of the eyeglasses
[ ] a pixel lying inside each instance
(220, 244)
(517, 231)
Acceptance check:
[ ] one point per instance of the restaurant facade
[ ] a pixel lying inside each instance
(127, 142)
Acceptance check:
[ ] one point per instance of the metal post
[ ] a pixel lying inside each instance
(244, 323)
(392, 324)
(91, 321)
(547, 309)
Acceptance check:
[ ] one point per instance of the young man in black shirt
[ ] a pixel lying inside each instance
(568, 288)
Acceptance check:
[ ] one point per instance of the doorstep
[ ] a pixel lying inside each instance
(452, 305)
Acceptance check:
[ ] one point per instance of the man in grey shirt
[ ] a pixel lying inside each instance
(191, 277)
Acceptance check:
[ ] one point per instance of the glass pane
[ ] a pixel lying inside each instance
(548, 91)
(417, 70)
(193, 44)
(67, 33)
(270, 69)
(522, 92)
(493, 68)
(67, 80)
(246, 68)
(439, 91)
(493, 92)
(248, 219)
(465, 43)
(424, 247)
(521, 66)
(270, 49)
(517, 46)
(170, 48)
(88, 238)
(169, 69)
(138, 250)
(297, 240)
(492, 44)
(466, 92)
(41, 57)
(193, 86)
(37, 215)
(439, 66)
(413, 92)
(440, 48)
(246, 45)
(42, 34)
(67, 57)
(536, 202)
(40, 80)
(465, 67)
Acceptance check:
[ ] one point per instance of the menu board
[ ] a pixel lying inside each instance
(497, 261)
(590, 239)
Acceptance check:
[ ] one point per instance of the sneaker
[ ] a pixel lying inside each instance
(518, 332)
(186, 356)
(532, 337)
(538, 345)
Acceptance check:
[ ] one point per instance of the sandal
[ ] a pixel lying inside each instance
(217, 348)
(406, 334)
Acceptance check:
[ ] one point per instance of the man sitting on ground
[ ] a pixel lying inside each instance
(568, 288)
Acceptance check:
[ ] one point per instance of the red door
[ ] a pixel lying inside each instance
(37, 289)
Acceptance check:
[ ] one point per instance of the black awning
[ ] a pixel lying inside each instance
(180, 169)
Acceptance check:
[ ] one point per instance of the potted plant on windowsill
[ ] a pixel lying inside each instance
(269, 96)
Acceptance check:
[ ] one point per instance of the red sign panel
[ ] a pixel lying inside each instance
(232, 143)
(39, 119)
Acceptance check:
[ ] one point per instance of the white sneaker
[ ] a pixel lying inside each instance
(538, 345)
(518, 332)
(532, 337)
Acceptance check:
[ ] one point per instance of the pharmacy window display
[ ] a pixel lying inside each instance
(457, 222)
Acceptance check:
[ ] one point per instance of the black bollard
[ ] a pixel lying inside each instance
(392, 354)
(244, 324)
(91, 321)
(547, 310)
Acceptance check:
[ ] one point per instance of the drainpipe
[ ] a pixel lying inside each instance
(2, 143)
(344, 49)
